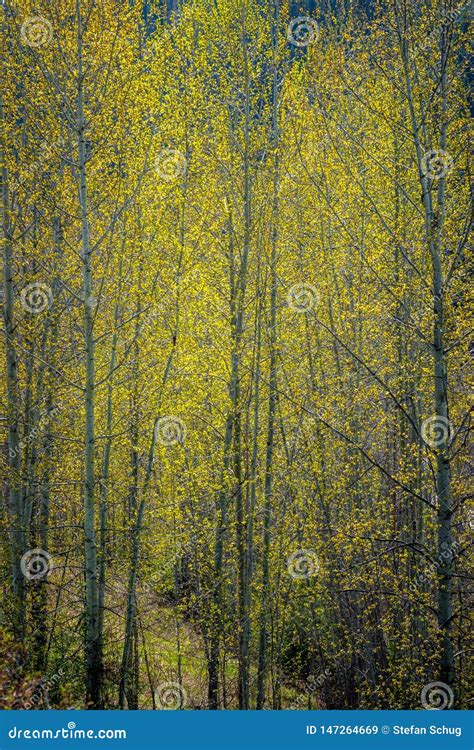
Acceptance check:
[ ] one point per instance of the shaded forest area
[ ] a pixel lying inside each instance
(237, 338)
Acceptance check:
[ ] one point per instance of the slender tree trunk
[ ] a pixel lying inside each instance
(443, 476)
(240, 527)
(221, 520)
(238, 288)
(15, 509)
(103, 539)
(92, 642)
(272, 388)
(247, 608)
(50, 413)
(130, 618)
(106, 470)
(132, 581)
(434, 220)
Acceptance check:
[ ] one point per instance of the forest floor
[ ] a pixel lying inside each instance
(173, 650)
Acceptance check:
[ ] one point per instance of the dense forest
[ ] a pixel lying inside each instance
(237, 338)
